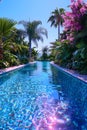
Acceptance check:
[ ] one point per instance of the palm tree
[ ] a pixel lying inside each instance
(19, 36)
(56, 19)
(45, 53)
(6, 32)
(34, 33)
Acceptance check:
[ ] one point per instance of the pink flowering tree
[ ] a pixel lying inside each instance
(75, 20)
(75, 35)
(72, 50)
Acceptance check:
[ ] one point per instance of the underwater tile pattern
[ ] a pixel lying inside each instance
(29, 100)
(41, 97)
(75, 90)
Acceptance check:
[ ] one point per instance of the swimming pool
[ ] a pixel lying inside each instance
(32, 98)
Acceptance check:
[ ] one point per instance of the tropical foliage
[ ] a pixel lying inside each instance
(71, 51)
(34, 33)
(6, 32)
(13, 47)
(45, 55)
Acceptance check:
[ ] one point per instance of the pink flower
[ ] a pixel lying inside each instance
(76, 4)
(62, 40)
(72, 18)
(71, 39)
(83, 10)
(80, 1)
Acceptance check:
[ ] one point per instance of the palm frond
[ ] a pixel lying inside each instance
(6, 26)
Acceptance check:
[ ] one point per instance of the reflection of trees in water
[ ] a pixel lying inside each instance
(55, 77)
(26, 70)
(29, 69)
(45, 66)
(76, 92)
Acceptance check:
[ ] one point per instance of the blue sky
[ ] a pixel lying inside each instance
(33, 10)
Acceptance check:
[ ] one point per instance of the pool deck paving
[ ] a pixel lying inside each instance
(14, 67)
(10, 69)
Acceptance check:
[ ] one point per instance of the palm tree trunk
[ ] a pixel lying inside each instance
(1, 50)
(59, 31)
(29, 49)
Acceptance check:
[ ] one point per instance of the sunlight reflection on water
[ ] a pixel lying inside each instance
(50, 115)
(30, 100)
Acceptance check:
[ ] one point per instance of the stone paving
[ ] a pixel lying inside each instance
(10, 68)
(14, 67)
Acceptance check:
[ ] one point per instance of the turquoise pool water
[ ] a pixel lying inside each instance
(32, 99)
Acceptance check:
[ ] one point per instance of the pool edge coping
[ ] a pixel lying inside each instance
(9, 69)
(75, 75)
